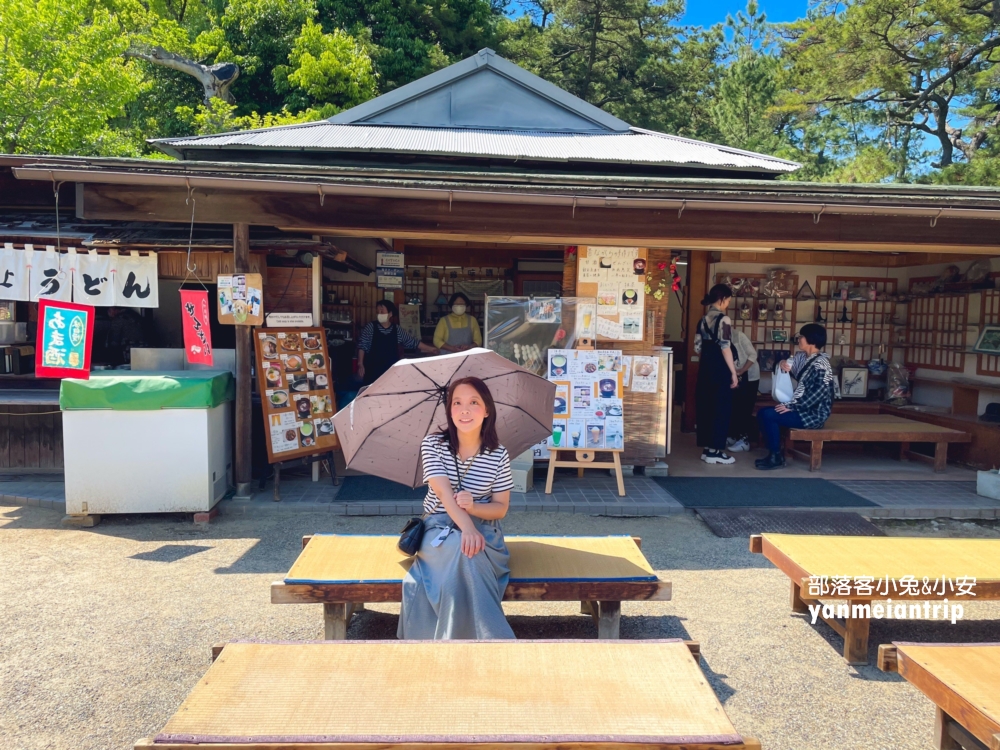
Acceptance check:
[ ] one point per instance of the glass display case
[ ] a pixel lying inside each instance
(523, 329)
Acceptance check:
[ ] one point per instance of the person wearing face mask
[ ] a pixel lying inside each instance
(381, 343)
(457, 331)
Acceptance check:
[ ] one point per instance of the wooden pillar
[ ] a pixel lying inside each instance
(698, 266)
(317, 309)
(242, 469)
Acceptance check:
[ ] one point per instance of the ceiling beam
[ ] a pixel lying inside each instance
(528, 223)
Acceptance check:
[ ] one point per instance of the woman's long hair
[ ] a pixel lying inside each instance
(488, 433)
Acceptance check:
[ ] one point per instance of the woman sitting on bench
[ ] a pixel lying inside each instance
(457, 580)
(811, 403)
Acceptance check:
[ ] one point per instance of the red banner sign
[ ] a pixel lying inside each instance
(65, 333)
(197, 335)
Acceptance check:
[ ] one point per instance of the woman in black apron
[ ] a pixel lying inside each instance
(381, 344)
(716, 376)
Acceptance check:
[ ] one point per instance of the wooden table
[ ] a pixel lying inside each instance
(888, 562)
(963, 681)
(877, 428)
(344, 572)
(421, 695)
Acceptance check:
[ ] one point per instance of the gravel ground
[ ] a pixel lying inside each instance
(103, 632)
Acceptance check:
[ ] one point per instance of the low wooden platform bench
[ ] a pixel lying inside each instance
(876, 428)
(420, 695)
(963, 681)
(346, 571)
(871, 572)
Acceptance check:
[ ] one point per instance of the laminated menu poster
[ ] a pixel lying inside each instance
(616, 276)
(293, 374)
(587, 413)
(241, 299)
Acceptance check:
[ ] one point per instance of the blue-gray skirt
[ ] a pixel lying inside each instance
(447, 595)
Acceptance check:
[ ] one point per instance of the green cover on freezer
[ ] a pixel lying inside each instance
(124, 390)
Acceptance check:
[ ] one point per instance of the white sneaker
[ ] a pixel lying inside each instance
(739, 445)
(730, 441)
(717, 457)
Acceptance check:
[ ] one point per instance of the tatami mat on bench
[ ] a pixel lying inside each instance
(894, 557)
(335, 558)
(972, 670)
(509, 691)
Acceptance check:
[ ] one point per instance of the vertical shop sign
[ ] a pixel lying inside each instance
(389, 270)
(136, 281)
(94, 278)
(49, 280)
(194, 320)
(13, 273)
(65, 333)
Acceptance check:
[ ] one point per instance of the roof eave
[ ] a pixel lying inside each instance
(178, 152)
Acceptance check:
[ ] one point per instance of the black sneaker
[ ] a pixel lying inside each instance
(773, 461)
(717, 457)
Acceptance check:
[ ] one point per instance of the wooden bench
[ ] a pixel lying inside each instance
(889, 564)
(877, 428)
(345, 572)
(418, 695)
(963, 681)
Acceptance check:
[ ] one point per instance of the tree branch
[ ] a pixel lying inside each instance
(215, 79)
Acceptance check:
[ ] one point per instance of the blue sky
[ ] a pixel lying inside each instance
(708, 12)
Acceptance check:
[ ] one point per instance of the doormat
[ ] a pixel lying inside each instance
(728, 523)
(734, 492)
(373, 489)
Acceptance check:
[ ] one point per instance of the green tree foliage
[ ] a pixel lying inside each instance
(326, 72)
(257, 35)
(63, 77)
(628, 57)
(412, 38)
(744, 106)
(915, 66)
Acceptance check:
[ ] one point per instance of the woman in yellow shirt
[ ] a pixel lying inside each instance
(458, 330)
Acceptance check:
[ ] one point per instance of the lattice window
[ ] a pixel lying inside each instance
(936, 332)
(989, 364)
(858, 329)
(759, 317)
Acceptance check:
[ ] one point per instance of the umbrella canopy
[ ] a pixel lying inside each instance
(381, 430)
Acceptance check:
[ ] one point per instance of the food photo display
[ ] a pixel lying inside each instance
(297, 400)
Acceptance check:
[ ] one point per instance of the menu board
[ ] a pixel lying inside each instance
(616, 276)
(587, 413)
(293, 375)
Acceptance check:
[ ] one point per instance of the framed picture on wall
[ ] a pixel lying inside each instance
(989, 340)
(854, 382)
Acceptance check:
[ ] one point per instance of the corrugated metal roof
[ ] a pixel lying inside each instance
(634, 147)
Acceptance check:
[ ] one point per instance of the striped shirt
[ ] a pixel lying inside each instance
(482, 475)
(402, 337)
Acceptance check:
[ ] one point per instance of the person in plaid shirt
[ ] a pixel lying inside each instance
(811, 403)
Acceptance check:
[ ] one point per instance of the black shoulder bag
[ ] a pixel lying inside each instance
(413, 533)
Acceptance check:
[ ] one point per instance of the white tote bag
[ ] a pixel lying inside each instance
(781, 386)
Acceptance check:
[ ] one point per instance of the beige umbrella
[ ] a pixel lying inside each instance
(380, 431)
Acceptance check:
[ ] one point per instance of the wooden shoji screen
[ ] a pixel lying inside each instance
(989, 364)
(869, 325)
(936, 332)
(759, 329)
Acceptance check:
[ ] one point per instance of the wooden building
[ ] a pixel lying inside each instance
(487, 177)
